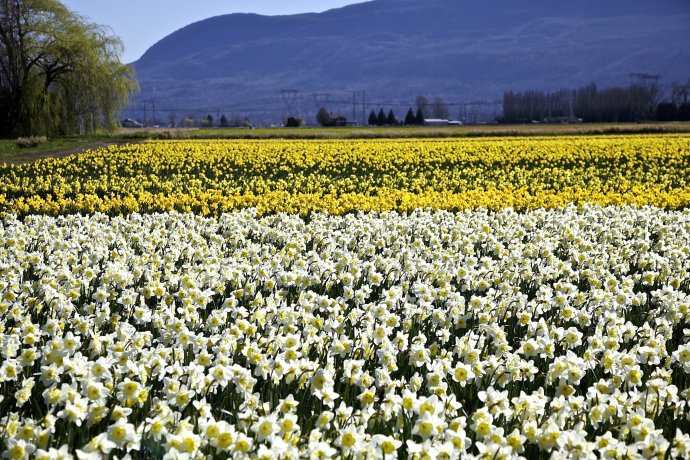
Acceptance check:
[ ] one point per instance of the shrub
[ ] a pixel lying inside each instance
(28, 142)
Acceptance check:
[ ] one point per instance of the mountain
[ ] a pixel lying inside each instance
(394, 50)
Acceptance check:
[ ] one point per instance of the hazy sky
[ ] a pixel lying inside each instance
(141, 23)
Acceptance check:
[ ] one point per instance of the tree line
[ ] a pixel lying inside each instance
(381, 119)
(59, 74)
(437, 108)
(636, 102)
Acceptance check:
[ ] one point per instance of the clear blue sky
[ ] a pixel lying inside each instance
(141, 23)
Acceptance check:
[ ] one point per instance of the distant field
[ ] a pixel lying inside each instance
(363, 132)
(10, 153)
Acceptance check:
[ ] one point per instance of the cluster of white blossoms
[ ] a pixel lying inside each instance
(493, 335)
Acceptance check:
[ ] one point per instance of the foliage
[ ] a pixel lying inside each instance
(618, 104)
(666, 111)
(409, 118)
(439, 109)
(419, 117)
(207, 122)
(422, 104)
(390, 119)
(381, 117)
(58, 73)
(29, 142)
(324, 118)
(669, 111)
(294, 122)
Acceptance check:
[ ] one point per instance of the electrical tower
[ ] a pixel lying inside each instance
(289, 97)
(355, 96)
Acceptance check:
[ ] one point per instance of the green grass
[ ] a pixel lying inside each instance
(59, 147)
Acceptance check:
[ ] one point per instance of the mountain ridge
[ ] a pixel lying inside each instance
(396, 49)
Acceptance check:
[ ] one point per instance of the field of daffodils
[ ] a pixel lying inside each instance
(493, 299)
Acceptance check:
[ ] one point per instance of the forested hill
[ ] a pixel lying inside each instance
(394, 50)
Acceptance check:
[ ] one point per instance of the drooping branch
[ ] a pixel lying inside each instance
(59, 73)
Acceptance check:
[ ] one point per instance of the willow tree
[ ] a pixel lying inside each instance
(59, 74)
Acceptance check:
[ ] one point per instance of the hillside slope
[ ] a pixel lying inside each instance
(396, 49)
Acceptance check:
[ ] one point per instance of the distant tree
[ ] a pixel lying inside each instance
(586, 104)
(422, 104)
(172, 119)
(324, 118)
(188, 122)
(207, 121)
(234, 120)
(617, 104)
(247, 123)
(223, 121)
(391, 120)
(439, 108)
(419, 117)
(666, 111)
(381, 118)
(680, 93)
(409, 118)
(373, 120)
(293, 122)
(684, 112)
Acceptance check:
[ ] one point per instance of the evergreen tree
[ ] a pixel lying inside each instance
(373, 121)
(409, 118)
(419, 118)
(391, 120)
(381, 118)
(223, 121)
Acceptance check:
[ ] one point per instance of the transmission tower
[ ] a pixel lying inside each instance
(355, 96)
(289, 97)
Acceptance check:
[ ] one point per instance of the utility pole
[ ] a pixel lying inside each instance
(145, 114)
